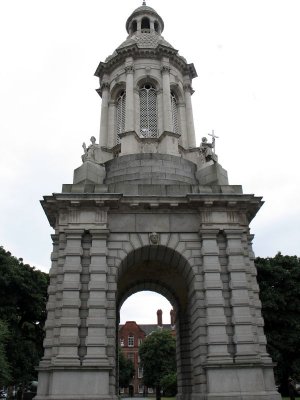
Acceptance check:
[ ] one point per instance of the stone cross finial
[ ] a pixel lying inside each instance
(214, 137)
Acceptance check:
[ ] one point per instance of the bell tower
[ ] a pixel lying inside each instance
(149, 210)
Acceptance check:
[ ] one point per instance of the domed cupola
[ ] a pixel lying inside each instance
(144, 19)
(146, 91)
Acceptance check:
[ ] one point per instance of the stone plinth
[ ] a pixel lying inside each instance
(89, 172)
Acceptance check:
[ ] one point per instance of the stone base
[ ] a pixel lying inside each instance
(241, 383)
(89, 172)
(74, 384)
(212, 174)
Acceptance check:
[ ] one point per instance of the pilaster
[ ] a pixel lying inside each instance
(167, 107)
(51, 305)
(188, 91)
(70, 302)
(245, 347)
(217, 338)
(129, 119)
(104, 114)
(96, 341)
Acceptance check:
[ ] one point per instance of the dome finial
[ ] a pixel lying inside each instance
(144, 3)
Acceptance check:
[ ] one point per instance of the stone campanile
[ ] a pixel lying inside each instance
(149, 210)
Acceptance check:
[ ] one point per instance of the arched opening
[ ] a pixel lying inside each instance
(156, 26)
(141, 315)
(145, 23)
(165, 271)
(121, 113)
(133, 26)
(174, 108)
(148, 110)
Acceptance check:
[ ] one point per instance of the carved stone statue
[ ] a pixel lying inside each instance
(207, 150)
(89, 152)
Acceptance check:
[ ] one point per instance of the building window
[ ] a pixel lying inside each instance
(130, 341)
(141, 389)
(140, 341)
(122, 390)
(140, 372)
(122, 342)
(130, 356)
(148, 111)
(121, 104)
(174, 107)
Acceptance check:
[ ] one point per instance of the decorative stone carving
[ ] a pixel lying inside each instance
(89, 152)
(129, 69)
(165, 69)
(207, 151)
(188, 88)
(154, 238)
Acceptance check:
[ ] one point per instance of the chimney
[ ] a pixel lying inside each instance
(159, 317)
(172, 314)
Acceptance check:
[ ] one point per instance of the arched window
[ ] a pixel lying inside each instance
(121, 103)
(156, 26)
(145, 23)
(148, 111)
(174, 105)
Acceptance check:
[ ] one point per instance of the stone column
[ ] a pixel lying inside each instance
(256, 304)
(129, 117)
(70, 320)
(188, 91)
(183, 127)
(112, 131)
(104, 114)
(217, 338)
(51, 306)
(245, 347)
(96, 341)
(167, 107)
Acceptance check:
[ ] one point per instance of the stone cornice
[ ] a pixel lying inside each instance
(136, 52)
(245, 204)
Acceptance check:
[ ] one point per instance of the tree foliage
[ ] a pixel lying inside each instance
(158, 359)
(279, 281)
(23, 295)
(126, 370)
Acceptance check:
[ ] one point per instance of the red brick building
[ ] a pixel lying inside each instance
(131, 335)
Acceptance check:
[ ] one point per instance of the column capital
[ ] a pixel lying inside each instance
(233, 233)
(74, 233)
(165, 69)
(187, 87)
(129, 69)
(208, 233)
(99, 233)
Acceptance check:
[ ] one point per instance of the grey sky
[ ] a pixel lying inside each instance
(246, 53)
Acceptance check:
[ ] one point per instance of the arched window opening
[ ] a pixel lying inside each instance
(174, 105)
(133, 26)
(145, 23)
(148, 111)
(156, 26)
(121, 104)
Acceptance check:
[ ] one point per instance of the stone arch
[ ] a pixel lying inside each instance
(167, 271)
(116, 89)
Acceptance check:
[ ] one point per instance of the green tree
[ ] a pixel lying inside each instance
(5, 375)
(279, 282)
(23, 296)
(158, 359)
(126, 370)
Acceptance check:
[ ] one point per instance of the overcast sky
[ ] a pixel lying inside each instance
(246, 53)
